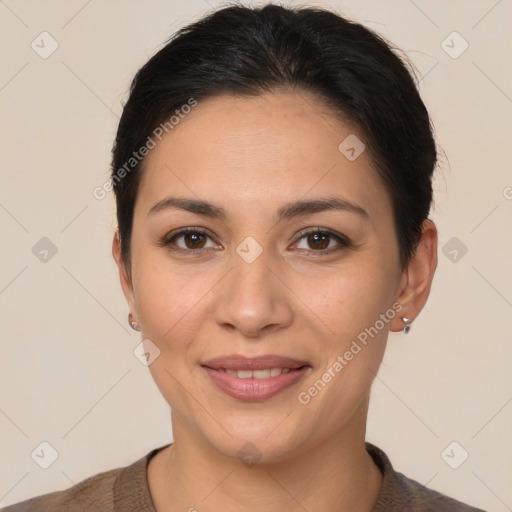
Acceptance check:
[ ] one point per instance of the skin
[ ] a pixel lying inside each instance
(252, 156)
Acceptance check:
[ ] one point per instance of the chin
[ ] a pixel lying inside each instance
(253, 441)
(257, 450)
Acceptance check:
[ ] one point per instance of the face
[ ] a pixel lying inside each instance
(265, 269)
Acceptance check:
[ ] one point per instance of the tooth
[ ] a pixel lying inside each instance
(274, 372)
(255, 374)
(261, 374)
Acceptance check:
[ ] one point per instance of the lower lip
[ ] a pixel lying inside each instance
(255, 389)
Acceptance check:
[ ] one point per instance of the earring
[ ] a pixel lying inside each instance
(408, 325)
(132, 322)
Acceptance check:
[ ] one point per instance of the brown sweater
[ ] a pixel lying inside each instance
(126, 490)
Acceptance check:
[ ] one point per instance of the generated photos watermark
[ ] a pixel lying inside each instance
(162, 129)
(343, 360)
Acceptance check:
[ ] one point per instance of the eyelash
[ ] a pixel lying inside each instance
(343, 241)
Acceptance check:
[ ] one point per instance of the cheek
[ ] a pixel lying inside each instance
(352, 307)
(335, 396)
(356, 305)
(170, 302)
(344, 301)
(172, 309)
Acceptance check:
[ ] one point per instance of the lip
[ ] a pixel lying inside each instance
(252, 389)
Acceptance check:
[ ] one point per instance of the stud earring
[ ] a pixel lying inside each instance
(408, 325)
(133, 323)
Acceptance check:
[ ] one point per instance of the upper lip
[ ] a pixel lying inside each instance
(238, 362)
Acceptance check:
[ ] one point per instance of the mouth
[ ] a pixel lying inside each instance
(254, 374)
(255, 379)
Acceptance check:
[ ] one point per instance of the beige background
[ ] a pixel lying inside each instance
(68, 374)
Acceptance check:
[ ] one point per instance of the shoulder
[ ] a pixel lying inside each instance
(422, 499)
(401, 493)
(93, 493)
(114, 490)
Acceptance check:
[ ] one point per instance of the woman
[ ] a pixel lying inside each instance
(272, 171)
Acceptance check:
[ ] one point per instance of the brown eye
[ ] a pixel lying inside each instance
(189, 240)
(321, 242)
(194, 240)
(318, 240)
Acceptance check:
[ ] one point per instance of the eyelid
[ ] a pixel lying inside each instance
(171, 237)
(342, 240)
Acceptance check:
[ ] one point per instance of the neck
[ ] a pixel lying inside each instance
(337, 474)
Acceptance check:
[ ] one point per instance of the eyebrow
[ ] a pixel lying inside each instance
(286, 212)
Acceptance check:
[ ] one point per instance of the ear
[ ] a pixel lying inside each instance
(124, 273)
(417, 278)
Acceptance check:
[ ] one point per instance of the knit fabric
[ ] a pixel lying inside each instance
(126, 489)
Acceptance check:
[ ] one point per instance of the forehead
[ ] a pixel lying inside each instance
(263, 149)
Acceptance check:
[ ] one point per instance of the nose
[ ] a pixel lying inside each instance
(253, 300)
